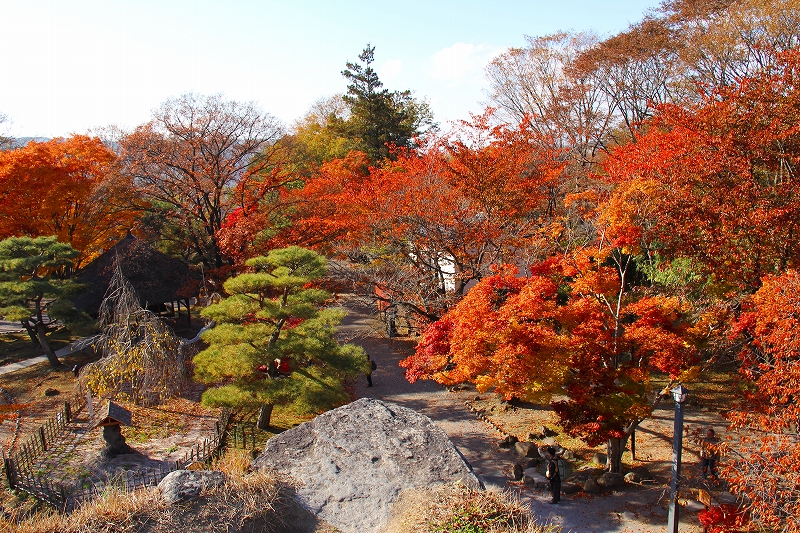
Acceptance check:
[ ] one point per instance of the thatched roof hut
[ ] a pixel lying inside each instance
(158, 279)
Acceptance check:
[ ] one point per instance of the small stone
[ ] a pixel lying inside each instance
(52, 392)
(633, 477)
(726, 497)
(517, 472)
(629, 516)
(526, 449)
(534, 479)
(610, 480)
(599, 458)
(533, 436)
(183, 485)
(591, 486)
(477, 399)
(642, 472)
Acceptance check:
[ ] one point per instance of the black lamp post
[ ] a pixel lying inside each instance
(679, 394)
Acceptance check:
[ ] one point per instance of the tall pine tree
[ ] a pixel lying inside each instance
(379, 117)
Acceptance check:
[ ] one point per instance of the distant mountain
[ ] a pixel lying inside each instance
(22, 141)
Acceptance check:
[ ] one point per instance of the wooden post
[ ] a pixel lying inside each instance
(9, 472)
(67, 412)
(633, 444)
(41, 437)
(89, 404)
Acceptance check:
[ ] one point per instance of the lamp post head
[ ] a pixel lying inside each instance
(679, 393)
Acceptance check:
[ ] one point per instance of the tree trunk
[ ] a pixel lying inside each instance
(614, 450)
(31, 332)
(264, 416)
(41, 336)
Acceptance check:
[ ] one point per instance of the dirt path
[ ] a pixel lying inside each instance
(636, 510)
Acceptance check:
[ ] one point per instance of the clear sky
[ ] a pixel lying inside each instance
(72, 65)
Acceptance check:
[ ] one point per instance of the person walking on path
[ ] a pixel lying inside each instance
(709, 455)
(372, 366)
(553, 475)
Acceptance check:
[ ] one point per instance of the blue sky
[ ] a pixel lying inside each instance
(70, 66)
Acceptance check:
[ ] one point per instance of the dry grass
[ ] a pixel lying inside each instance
(458, 509)
(248, 502)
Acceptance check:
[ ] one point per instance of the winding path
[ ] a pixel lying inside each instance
(636, 510)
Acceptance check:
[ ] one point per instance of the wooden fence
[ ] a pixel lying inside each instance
(21, 473)
(37, 445)
(242, 436)
(204, 451)
(20, 468)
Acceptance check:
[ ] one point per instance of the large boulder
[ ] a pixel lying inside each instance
(350, 464)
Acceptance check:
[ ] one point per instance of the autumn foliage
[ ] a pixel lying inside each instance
(64, 187)
(718, 179)
(556, 332)
(423, 225)
(766, 457)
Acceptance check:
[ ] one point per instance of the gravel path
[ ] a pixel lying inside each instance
(638, 510)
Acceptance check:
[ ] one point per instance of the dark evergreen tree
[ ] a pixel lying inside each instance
(34, 286)
(378, 117)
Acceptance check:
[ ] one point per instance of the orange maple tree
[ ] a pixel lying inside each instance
(572, 328)
(722, 177)
(764, 461)
(65, 187)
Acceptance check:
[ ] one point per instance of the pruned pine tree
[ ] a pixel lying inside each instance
(274, 313)
(34, 286)
(143, 359)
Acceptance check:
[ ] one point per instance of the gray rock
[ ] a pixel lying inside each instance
(532, 478)
(591, 486)
(52, 392)
(642, 472)
(571, 488)
(633, 477)
(183, 485)
(610, 481)
(517, 472)
(726, 497)
(526, 449)
(350, 464)
(599, 458)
